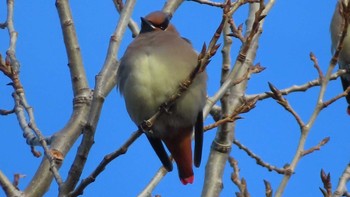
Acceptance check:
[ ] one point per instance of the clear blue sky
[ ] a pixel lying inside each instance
(292, 30)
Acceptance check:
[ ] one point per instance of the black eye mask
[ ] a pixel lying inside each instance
(147, 26)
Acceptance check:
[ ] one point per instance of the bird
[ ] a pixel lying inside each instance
(150, 71)
(344, 56)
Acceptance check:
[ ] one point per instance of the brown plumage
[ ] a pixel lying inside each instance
(154, 64)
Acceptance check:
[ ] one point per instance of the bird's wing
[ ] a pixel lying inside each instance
(198, 139)
(158, 147)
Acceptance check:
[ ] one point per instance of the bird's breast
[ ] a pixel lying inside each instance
(151, 74)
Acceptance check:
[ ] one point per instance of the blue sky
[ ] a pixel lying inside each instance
(291, 31)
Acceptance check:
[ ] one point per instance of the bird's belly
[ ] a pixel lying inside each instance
(145, 94)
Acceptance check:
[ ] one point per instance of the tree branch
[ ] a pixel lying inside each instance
(65, 138)
(319, 105)
(297, 88)
(317, 147)
(277, 95)
(105, 82)
(222, 143)
(106, 160)
(344, 179)
(258, 160)
(8, 187)
(119, 5)
(147, 191)
(240, 183)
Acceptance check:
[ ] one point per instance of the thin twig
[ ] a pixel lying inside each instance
(327, 185)
(231, 98)
(16, 178)
(236, 31)
(119, 5)
(52, 159)
(259, 161)
(8, 187)
(317, 147)
(337, 97)
(316, 65)
(319, 105)
(244, 108)
(277, 95)
(35, 152)
(5, 112)
(211, 3)
(104, 83)
(220, 5)
(251, 70)
(10, 67)
(268, 189)
(298, 88)
(240, 183)
(106, 160)
(3, 25)
(241, 58)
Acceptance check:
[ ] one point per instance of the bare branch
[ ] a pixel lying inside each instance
(119, 5)
(147, 191)
(106, 160)
(332, 100)
(319, 105)
(241, 62)
(314, 59)
(298, 88)
(344, 179)
(48, 153)
(244, 108)
(236, 31)
(215, 112)
(258, 160)
(277, 95)
(240, 183)
(220, 5)
(5, 112)
(211, 3)
(222, 143)
(171, 6)
(10, 67)
(317, 147)
(65, 138)
(251, 70)
(105, 82)
(8, 187)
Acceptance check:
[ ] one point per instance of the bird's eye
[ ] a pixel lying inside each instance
(163, 25)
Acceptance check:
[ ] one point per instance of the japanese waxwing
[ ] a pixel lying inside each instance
(344, 57)
(150, 71)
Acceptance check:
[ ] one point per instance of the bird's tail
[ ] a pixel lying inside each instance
(180, 148)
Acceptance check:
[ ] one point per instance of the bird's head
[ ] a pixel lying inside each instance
(156, 21)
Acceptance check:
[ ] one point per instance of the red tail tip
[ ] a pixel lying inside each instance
(348, 110)
(187, 180)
